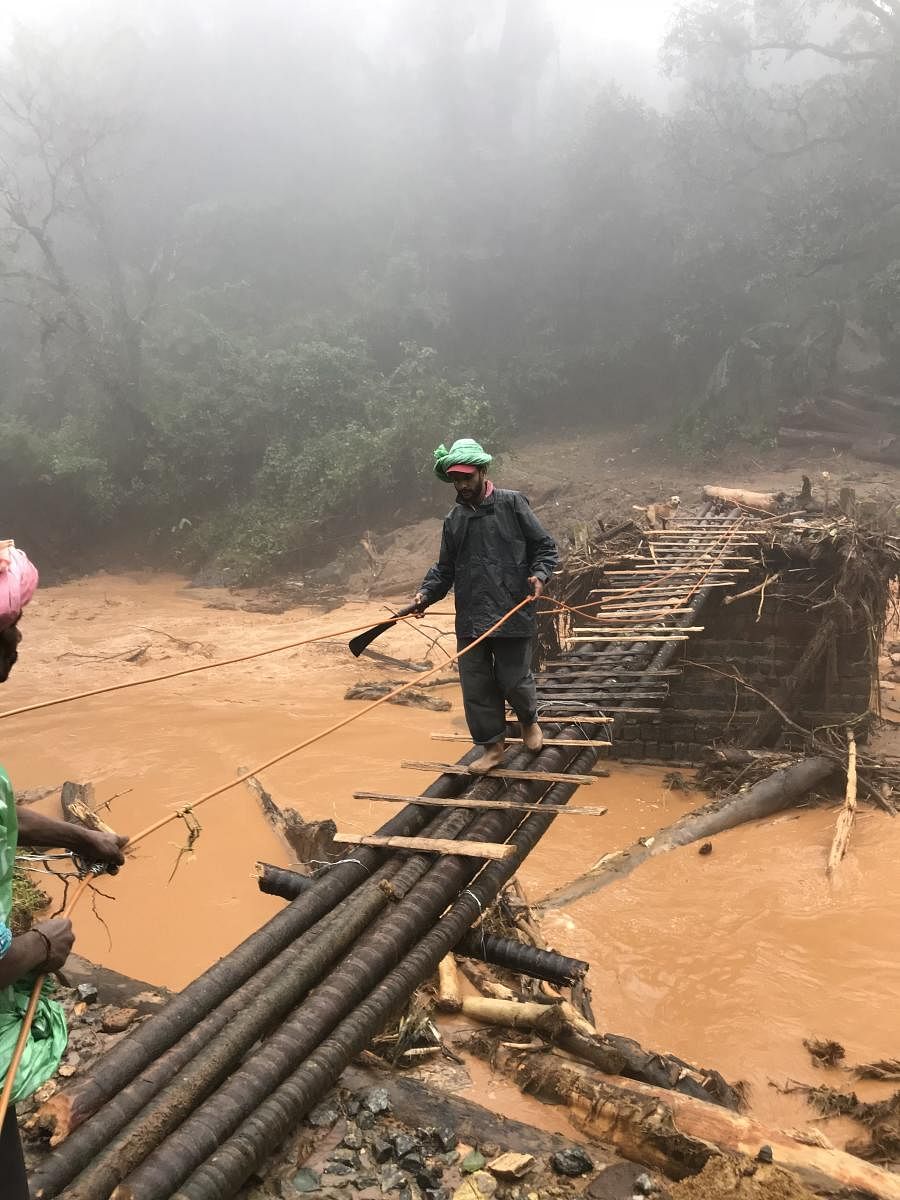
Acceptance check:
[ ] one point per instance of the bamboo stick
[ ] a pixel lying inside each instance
(847, 814)
(594, 718)
(631, 637)
(491, 850)
(515, 806)
(684, 571)
(464, 737)
(641, 629)
(498, 772)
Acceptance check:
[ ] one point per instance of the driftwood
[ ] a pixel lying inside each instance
(411, 698)
(678, 1134)
(308, 839)
(764, 501)
(449, 997)
(609, 1053)
(77, 800)
(847, 814)
(771, 795)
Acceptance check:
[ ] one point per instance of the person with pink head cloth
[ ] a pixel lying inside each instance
(46, 945)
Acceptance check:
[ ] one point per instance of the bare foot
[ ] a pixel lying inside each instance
(533, 736)
(492, 757)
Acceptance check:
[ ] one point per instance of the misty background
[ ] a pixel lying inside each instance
(258, 259)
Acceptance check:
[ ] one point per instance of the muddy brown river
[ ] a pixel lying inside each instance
(728, 960)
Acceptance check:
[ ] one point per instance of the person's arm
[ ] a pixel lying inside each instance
(96, 846)
(43, 948)
(439, 580)
(543, 557)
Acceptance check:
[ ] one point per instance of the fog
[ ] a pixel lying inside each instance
(251, 253)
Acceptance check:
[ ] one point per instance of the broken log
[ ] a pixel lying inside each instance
(761, 501)
(308, 839)
(449, 997)
(779, 791)
(847, 814)
(276, 881)
(816, 437)
(412, 697)
(522, 958)
(678, 1134)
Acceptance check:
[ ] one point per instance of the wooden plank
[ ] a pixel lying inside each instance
(501, 773)
(491, 850)
(594, 718)
(467, 802)
(464, 737)
(681, 571)
(591, 718)
(592, 666)
(675, 588)
(640, 629)
(631, 637)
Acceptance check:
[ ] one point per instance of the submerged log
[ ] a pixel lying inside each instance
(771, 795)
(678, 1134)
(412, 697)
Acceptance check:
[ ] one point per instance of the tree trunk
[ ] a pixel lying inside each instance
(764, 501)
(771, 795)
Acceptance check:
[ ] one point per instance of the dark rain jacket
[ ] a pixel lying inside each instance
(487, 554)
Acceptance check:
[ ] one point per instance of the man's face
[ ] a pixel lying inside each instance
(469, 487)
(9, 649)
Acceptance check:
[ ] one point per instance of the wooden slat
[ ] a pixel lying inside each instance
(640, 629)
(571, 664)
(631, 637)
(502, 773)
(663, 590)
(464, 737)
(491, 850)
(579, 718)
(467, 802)
(680, 571)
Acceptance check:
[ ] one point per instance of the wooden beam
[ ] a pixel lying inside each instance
(655, 591)
(464, 737)
(491, 850)
(680, 571)
(640, 629)
(594, 718)
(581, 719)
(631, 637)
(502, 773)
(466, 802)
(592, 666)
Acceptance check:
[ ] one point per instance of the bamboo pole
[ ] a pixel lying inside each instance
(844, 824)
(511, 805)
(500, 773)
(491, 850)
(464, 737)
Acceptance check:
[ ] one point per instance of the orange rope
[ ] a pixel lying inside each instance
(222, 662)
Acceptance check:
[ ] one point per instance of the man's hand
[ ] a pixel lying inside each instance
(419, 602)
(61, 937)
(99, 846)
(537, 586)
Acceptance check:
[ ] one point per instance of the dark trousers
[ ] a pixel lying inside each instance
(13, 1183)
(497, 670)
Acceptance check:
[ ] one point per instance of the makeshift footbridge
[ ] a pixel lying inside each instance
(193, 1101)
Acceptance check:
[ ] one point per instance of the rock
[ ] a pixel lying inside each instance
(765, 1155)
(117, 1020)
(643, 1185)
(706, 848)
(446, 1136)
(66, 1071)
(339, 1168)
(571, 1162)
(382, 1149)
(405, 1143)
(335, 1181)
(440, 1193)
(87, 993)
(306, 1180)
(353, 1138)
(323, 1115)
(391, 1179)
(511, 1166)
(353, 1106)
(365, 1119)
(346, 1156)
(476, 1187)
(412, 1163)
(451, 1159)
(377, 1101)
(474, 1161)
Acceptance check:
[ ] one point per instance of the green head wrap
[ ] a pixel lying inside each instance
(463, 453)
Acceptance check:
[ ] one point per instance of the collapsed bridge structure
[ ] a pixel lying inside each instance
(193, 1101)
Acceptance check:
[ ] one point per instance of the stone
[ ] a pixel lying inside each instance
(376, 1101)
(571, 1162)
(87, 993)
(344, 1155)
(323, 1115)
(306, 1180)
(353, 1138)
(474, 1161)
(382, 1150)
(353, 1106)
(447, 1138)
(476, 1187)
(391, 1179)
(643, 1185)
(117, 1020)
(405, 1143)
(765, 1155)
(335, 1181)
(66, 1071)
(365, 1119)
(511, 1165)
(339, 1168)
(451, 1159)
(440, 1193)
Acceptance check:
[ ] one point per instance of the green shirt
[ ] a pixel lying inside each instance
(47, 1041)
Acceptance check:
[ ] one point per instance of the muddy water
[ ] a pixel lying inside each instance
(728, 960)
